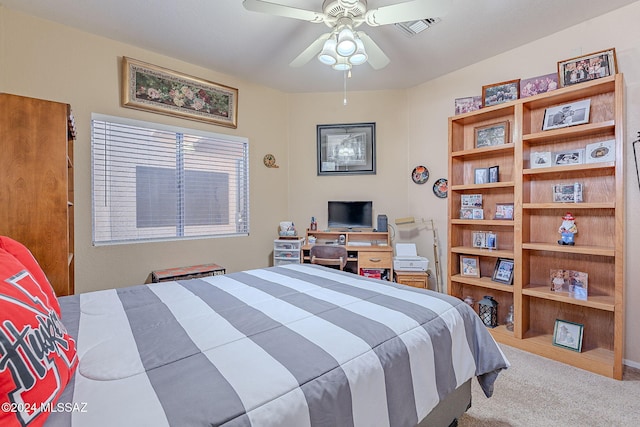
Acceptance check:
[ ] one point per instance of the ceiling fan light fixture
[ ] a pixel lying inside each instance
(342, 64)
(346, 42)
(328, 55)
(360, 55)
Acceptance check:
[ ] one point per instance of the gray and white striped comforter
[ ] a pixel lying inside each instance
(296, 345)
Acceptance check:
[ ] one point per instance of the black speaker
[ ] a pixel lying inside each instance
(382, 223)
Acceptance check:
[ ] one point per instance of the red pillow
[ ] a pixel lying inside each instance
(26, 258)
(37, 355)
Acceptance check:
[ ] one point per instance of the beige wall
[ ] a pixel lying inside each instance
(55, 62)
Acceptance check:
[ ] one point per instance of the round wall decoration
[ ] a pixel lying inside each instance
(270, 161)
(420, 174)
(441, 187)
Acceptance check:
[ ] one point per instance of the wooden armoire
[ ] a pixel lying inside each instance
(36, 183)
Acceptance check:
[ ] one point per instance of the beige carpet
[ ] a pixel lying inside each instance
(536, 391)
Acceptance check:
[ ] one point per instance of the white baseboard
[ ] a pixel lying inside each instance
(631, 363)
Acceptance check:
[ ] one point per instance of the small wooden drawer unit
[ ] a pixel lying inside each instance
(416, 279)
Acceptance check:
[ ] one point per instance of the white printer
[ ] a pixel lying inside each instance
(407, 258)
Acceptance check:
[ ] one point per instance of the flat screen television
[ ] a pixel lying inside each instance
(350, 214)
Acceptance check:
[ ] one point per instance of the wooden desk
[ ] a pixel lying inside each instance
(367, 250)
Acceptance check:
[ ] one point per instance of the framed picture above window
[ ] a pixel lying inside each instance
(345, 149)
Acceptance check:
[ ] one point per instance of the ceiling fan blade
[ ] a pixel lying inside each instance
(283, 10)
(310, 52)
(407, 11)
(377, 59)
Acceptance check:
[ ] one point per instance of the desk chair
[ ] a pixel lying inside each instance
(329, 255)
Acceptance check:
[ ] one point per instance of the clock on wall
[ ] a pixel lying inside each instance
(270, 161)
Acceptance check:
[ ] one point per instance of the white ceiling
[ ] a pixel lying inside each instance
(223, 36)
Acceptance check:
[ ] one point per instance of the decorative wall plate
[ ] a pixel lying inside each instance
(441, 187)
(420, 174)
(270, 161)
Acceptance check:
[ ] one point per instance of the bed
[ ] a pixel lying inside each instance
(293, 345)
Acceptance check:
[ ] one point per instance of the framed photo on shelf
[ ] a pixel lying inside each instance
(479, 239)
(567, 193)
(601, 152)
(561, 116)
(588, 67)
(498, 93)
(504, 211)
(481, 176)
(540, 159)
(346, 149)
(537, 85)
(467, 104)
(494, 173)
(568, 335)
(569, 157)
(471, 201)
(494, 134)
(503, 272)
(469, 266)
(491, 241)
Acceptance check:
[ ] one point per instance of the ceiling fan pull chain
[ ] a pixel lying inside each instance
(344, 102)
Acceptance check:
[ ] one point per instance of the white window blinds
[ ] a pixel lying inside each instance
(156, 182)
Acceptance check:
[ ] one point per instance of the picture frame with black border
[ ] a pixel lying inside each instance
(568, 335)
(572, 114)
(494, 174)
(481, 176)
(568, 157)
(470, 266)
(346, 149)
(503, 271)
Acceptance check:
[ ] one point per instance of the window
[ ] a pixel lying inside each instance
(157, 182)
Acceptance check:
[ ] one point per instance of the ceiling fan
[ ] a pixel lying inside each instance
(343, 46)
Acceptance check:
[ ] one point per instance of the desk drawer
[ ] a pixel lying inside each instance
(373, 259)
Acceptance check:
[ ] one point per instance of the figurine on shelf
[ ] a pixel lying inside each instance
(567, 230)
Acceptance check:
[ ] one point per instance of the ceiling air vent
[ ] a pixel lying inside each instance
(411, 28)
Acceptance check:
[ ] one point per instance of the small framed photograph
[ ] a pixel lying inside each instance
(491, 240)
(494, 173)
(569, 157)
(601, 152)
(568, 335)
(478, 213)
(494, 134)
(504, 211)
(465, 105)
(479, 239)
(540, 159)
(469, 266)
(503, 272)
(537, 85)
(498, 93)
(560, 116)
(567, 193)
(588, 67)
(481, 176)
(466, 213)
(471, 201)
